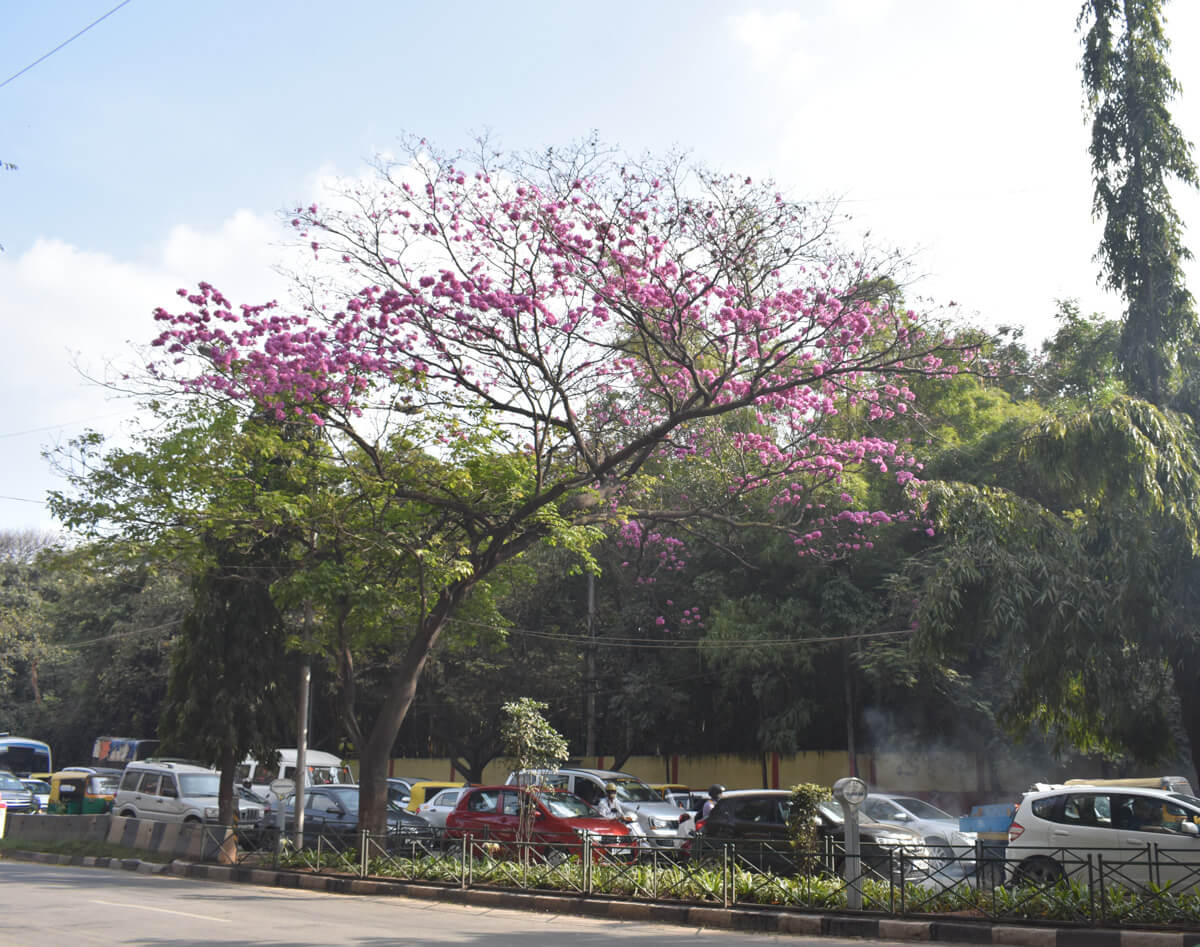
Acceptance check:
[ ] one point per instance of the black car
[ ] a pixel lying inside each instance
(332, 812)
(753, 823)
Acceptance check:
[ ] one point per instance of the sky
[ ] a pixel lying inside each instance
(160, 147)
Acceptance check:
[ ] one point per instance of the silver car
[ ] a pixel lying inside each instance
(950, 849)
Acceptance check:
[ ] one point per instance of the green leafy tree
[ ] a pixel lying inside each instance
(1136, 151)
(531, 744)
(1076, 568)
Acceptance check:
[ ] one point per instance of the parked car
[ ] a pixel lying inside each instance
(332, 812)
(435, 810)
(949, 847)
(424, 790)
(664, 825)
(41, 792)
(1144, 835)
(177, 792)
(558, 820)
(18, 797)
(691, 800)
(754, 823)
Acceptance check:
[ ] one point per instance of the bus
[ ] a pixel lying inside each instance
(22, 756)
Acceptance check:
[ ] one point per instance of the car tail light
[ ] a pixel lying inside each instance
(1015, 831)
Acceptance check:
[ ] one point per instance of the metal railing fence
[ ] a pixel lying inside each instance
(1149, 886)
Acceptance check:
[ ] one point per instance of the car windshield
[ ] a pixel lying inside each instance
(1184, 797)
(104, 785)
(349, 800)
(630, 789)
(923, 810)
(8, 781)
(832, 810)
(199, 784)
(565, 805)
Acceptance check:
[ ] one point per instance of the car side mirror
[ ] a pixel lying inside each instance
(1190, 828)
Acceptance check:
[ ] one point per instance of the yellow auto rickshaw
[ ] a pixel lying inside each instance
(82, 792)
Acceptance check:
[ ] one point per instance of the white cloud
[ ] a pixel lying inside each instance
(67, 310)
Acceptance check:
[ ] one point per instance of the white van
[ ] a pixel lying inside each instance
(272, 782)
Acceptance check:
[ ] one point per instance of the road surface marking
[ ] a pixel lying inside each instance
(142, 907)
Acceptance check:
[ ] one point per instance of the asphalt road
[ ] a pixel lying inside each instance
(44, 904)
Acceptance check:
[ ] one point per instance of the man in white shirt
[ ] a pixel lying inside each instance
(610, 806)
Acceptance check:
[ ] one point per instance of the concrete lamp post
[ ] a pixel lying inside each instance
(851, 792)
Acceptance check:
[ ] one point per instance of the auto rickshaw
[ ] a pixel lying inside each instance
(79, 792)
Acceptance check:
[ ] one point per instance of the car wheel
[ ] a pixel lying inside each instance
(941, 855)
(192, 820)
(128, 814)
(1039, 870)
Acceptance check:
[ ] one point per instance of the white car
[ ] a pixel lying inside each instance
(950, 849)
(1118, 836)
(436, 809)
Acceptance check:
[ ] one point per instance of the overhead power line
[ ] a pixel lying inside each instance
(64, 43)
(628, 642)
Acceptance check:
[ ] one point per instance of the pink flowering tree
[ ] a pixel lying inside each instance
(524, 347)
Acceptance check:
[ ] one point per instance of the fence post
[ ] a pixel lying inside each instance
(726, 881)
(364, 839)
(467, 858)
(587, 862)
(1092, 888)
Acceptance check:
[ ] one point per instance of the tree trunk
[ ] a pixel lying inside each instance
(226, 806)
(1188, 689)
(377, 750)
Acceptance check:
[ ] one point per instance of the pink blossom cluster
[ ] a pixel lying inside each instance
(598, 321)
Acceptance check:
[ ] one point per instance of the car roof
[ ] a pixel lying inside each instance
(164, 766)
(739, 793)
(1119, 790)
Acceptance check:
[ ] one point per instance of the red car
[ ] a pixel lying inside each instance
(559, 821)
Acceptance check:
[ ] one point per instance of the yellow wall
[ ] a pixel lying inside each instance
(700, 772)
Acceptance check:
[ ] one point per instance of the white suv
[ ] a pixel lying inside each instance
(1130, 837)
(175, 792)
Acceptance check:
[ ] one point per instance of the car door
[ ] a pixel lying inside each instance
(324, 814)
(148, 802)
(1153, 828)
(478, 816)
(170, 803)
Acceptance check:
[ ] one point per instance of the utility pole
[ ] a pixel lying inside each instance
(301, 773)
(590, 670)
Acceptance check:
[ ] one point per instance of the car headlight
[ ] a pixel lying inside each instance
(662, 823)
(211, 812)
